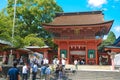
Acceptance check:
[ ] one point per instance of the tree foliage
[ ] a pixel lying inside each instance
(5, 27)
(111, 37)
(30, 14)
(109, 41)
(33, 40)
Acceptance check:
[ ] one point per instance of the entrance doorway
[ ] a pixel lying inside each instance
(77, 55)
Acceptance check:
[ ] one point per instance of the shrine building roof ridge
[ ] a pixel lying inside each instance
(78, 19)
(77, 13)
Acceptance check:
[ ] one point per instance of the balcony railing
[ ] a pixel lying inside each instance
(74, 37)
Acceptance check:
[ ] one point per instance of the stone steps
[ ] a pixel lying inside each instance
(90, 67)
(95, 75)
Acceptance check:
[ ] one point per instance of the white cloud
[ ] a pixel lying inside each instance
(117, 28)
(96, 3)
(104, 9)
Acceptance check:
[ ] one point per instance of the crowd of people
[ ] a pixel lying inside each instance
(78, 62)
(36, 66)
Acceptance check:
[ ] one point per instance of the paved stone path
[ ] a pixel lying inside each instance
(95, 75)
(91, 75)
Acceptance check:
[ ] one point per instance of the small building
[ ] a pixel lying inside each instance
(44, 50)
(3, 45)
(78, 34)
(114, 52)
(115, 47)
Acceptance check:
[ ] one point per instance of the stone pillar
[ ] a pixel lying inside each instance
(112, 61)
(112, 56)
(10, 60)
(4, 57)
(100, 60)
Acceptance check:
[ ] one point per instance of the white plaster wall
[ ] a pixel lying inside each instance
(117, 59)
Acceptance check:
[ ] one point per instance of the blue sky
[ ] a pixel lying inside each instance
(111, 9)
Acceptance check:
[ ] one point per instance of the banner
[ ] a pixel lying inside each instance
(63, 53)
(91, 53)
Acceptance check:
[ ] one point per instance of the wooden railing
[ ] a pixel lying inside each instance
(75, 37)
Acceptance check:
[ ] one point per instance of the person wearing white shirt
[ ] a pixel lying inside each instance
(76, 64)
(24, 72)
(45, 61)
(57, 61)
(54, 61)
(63, 62)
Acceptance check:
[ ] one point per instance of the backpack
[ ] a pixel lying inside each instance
(44, 70)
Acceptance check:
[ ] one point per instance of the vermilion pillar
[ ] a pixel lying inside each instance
(96, 55)
(68, 54)
(59, 53)
(86, 55)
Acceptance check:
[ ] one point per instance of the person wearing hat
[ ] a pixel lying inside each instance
(13, 73)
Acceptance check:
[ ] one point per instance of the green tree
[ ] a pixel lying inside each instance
(5, 27)
(109, 41)
(33, 40)
(111, 38)
(30, 15)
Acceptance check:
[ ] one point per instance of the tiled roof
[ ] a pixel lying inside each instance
(78, 18)
(37, 47)
(112, 47)
(117, 42)
(5, 43)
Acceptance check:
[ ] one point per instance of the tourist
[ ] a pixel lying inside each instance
(45, 61)
(57, 71)
(42, 61)
(82, 61)
(63, 62)
(47, 72)
(13, 73)
(21, 60)
(57, 61)
(43, 68)
(34, 71)
(1, 71)
(54, 61)
(24, 72)
(76, 64)
(60, 72)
